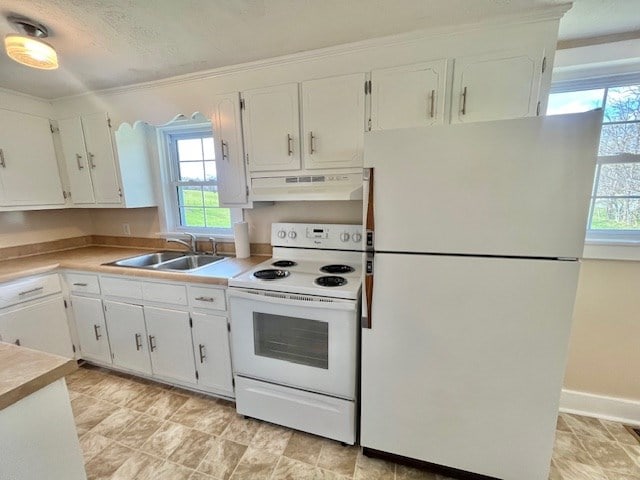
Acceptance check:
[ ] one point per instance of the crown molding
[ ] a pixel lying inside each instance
(535, 16)
(25, 95)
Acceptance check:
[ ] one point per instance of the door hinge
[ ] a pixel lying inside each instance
(246, 156)
(105, 307)
(247, 190)
(242, 104)
(120, 192)
(65, 303)
(52, 128)
(538, 109)
(113, 356)
(228, 327)
(73, 347)
(544, 64)
(108, 122)
(367, 87)
(190, 322)
(369, 124)
(233, 382)
(197, 375)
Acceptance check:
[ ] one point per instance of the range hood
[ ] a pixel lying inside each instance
(338, 186)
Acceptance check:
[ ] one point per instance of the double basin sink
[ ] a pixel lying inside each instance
(170, 261)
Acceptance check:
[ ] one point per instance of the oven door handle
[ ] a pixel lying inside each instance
(290, 300)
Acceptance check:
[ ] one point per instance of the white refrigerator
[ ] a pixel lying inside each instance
(475, 233)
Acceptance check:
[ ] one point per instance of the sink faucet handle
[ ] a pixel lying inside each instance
(214, 246)
(193, 240)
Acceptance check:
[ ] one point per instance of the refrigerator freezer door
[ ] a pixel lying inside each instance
(516, 187)
(464, 362)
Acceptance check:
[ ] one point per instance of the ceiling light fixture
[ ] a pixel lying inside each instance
(29, 49)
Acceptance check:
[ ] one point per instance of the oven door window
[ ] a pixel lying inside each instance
(295, 340)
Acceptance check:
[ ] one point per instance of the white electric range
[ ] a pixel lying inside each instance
(294, 330)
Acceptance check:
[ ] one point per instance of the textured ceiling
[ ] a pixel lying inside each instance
(107, 43)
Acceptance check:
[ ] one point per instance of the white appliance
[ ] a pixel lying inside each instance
(316, 186)
(294, 330)
(474, 233)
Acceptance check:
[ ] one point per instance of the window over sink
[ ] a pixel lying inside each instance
(190, 181)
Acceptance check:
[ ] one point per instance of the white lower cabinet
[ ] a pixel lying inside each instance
(91, 328)
(213, 358)
(128, 336)
(170, 344)
(42, 326)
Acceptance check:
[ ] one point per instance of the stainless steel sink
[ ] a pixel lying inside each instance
(189, 262)
(177, 261)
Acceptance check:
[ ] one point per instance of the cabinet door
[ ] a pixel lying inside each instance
(29, 172)
(102, 162)
(408, 96)
(92, 331)
(127, 336)
(495, 87)
(213, 358)
(41, 326)
(333, 121)
(272, 132)
(75, 160)
(227, 138)
(170, 344)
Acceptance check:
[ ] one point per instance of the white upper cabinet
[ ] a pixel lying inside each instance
(271, 128)
(88, 156)
(408, 96)
(97, 177)
(333, 121)
(29, 174)
(230, 162)
(497, 86)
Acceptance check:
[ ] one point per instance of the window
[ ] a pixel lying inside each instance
(191, 183)
(615, 202)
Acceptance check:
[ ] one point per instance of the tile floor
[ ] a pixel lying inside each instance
(134, 429)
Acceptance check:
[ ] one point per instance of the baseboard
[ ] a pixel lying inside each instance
(599, 406)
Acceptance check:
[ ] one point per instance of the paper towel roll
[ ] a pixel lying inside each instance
(241, 233)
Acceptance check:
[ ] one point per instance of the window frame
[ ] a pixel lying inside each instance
(602, 236)
(168, 135)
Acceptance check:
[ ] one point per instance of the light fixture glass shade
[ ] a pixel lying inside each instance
(31, 52)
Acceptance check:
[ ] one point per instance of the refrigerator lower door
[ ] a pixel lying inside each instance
(464, 361)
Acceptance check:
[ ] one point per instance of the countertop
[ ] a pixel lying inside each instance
(24, 371)
(92, 258)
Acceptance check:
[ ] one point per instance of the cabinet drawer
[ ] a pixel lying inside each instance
(83, 283)
(207, 297)
(119, 287)
(165, 293)
(29, 289)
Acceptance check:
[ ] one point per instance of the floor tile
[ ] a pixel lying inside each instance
(86, 382)
(241, 430)
(93, 416)
(610, 456)
(208, 416)
(255, 465)
(222, 459)
(620, 433)
(135, 434)
(561, 424)
(200, 476)
(80, 403)
(271, 438)
(115, 423)
(408, 473)
(304, 447)
(104, 465)
(586, 426)
(578, 471)
(92, 444)
(567, 447)
(290, 469)
(194, 446)
(374, 469)
(337, 458)
(166, 439)
(166, 404)
(139, 466)
(170, 471)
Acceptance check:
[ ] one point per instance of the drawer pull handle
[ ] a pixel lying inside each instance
(33, 290)
(96, 331)
(138, 341)
(152, 343)
(206, 299)
(203, 355)
(80, 284)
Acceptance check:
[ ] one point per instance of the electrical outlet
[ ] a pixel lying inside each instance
(126, 229)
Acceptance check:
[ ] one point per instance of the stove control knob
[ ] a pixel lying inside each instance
(356, 237)
(292, 234)
(282, 234)
(344, 237)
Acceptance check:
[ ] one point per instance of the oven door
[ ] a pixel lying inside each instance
(296, 340)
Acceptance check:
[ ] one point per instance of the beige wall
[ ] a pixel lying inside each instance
(143, 222)
(604, 351)
(20, 228)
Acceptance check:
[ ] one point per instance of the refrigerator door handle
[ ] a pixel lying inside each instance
(368, 212)
(368, 290)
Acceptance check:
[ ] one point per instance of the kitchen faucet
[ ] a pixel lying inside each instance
(191, 244)
(214, 246)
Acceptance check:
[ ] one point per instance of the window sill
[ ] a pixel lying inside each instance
(223, 238)
(612, 250)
